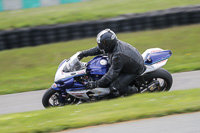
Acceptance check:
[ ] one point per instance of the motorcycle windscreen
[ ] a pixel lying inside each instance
(73, 64)
(152, 58)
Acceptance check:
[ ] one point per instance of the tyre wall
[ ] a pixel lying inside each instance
(126, 23)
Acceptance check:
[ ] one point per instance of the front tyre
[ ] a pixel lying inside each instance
(162, 76)
(53, 98)
(50, 98)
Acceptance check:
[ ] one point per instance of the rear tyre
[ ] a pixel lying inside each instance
(162, 76)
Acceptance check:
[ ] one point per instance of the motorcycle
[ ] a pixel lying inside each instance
(72, 74)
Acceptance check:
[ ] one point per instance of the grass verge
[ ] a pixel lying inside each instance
(110, 111)
(33, 68)
(90, 10)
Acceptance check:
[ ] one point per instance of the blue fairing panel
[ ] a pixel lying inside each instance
(75, 89)
(95, 68)
(155, 57)
(76, 86)
(67, 83)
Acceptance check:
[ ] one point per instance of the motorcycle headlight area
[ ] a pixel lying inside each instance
(54, 85)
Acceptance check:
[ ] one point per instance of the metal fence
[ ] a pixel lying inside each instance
(133, 22)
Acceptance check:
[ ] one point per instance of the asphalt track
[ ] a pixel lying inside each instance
(184, 123)
(30, 101)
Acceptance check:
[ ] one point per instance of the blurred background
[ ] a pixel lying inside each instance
(24, 4)
(36, 35)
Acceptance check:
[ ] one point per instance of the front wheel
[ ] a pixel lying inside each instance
(162, 76)
(53, 98)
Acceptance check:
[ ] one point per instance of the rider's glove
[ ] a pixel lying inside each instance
(80, 56)
(91, 84)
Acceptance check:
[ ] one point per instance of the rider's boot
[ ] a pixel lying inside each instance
(132, 90)
(114, 92)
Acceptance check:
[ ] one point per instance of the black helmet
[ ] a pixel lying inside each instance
(106, 40)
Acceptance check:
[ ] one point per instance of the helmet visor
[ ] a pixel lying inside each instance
(101, 46)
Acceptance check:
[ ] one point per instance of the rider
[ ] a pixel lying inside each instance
(125, 60)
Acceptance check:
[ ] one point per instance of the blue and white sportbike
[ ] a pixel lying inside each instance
(72, 74)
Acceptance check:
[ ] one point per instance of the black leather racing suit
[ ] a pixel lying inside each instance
(126, 63)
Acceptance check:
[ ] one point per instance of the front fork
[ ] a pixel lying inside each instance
(64, 98)
(61, 91)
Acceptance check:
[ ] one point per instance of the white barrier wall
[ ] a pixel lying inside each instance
(11, 4)
(24, 4)
(50, 2)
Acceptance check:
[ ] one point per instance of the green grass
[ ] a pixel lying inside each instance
(33, 68)
(90, 10)
(122, 109)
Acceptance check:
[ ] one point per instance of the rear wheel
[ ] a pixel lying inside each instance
(161, 76)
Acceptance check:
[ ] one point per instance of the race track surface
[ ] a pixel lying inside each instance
(184, 123)
(29, 101)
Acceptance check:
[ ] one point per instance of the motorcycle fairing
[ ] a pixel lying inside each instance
(71, 75)
(84, 94)
(59, 85)
(152, 61)
(152, 58)
(97, 67)
(61, 63)
(70, 68)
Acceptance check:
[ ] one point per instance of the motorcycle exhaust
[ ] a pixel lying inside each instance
(153, 86)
